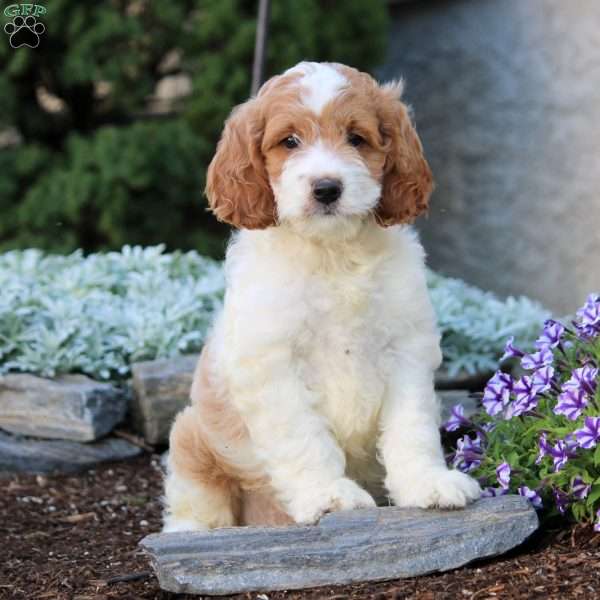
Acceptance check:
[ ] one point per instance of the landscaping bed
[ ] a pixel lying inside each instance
(75, 537)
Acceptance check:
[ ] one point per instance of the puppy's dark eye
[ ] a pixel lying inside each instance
(291, 142)
(355, 140)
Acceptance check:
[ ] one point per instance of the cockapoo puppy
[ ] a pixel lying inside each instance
(314, 391)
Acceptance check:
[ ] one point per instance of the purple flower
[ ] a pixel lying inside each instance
(597, 523)
(560, 453)
(589, 434)
(571, 404)
(526, 390)
(510, 351)
(531, 495)
(497, 393)
(586, 332)
(589, 317)
(520, 406)
(469, 453)
(490, 492)
(551, 335)
(503, 475)
(541, 379)
(457, 418)
(572, 443)
(545, 448)
(561, 499)
(584, 379)
(589, 313)
(579, 488)
(537, 360)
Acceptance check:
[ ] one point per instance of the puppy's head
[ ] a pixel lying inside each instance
(319, 146)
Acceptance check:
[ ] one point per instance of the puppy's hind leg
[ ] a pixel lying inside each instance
(198, 494)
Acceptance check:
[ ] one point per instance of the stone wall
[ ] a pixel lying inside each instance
(506, 95)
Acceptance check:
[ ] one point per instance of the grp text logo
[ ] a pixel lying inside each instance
(25, 28)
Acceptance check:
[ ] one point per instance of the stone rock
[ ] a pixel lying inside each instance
(71, 407)
(461, 381)
(164, 460)
(509, 117)
(161, 388)
(19, 454)
(449, 398)
(344, 547)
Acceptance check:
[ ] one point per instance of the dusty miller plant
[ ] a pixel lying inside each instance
(475, 324)
(96, 314)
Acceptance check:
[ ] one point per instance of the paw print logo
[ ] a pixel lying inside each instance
(24, 31)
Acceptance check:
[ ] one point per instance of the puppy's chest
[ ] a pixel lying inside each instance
(345, 352)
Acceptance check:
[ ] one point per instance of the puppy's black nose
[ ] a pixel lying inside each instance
(327, 191)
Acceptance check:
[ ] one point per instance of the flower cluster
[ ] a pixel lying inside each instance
(538, 434)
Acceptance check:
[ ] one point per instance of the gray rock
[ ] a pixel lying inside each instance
(461, 381)
(449, 398)
(19, 454)
(161, 388)
(164, 460)
(72, 407)
(345, 547)
(506, 97)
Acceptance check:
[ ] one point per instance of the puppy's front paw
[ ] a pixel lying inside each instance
(172, 524)
(437, 487)
(343, 494)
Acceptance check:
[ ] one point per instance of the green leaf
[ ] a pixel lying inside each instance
(593, 495)
(578, 510)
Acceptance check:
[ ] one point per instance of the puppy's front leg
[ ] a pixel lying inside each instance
(292, 441)
(410, 445)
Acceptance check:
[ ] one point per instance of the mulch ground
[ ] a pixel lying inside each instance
(75, 538)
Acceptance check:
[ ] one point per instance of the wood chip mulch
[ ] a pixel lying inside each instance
(75, 538)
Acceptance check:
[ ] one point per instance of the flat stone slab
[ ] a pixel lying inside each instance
(71, 407)
(161, 388)
(19, 454)
(344, 547)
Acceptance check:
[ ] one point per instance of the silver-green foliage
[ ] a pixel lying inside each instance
(97, 314)
(475, 324)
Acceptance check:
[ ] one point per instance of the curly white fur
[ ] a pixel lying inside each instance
(326, 350)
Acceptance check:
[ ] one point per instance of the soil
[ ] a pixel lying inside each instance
(75, 537)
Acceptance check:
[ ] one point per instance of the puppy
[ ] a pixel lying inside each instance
(314, 391)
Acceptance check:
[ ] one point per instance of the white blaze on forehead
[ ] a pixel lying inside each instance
(321, 83)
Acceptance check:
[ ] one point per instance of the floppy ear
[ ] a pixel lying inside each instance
(407, 180)
(237, 184)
